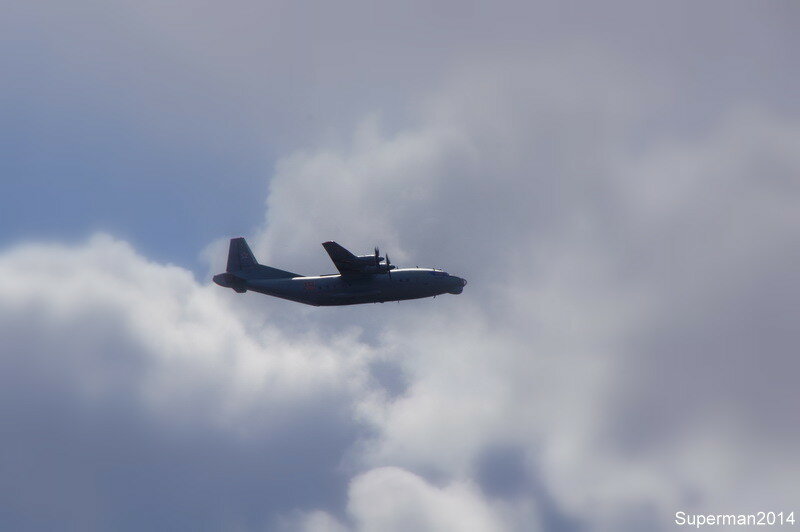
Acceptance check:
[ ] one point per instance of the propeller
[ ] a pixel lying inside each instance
(378, 259)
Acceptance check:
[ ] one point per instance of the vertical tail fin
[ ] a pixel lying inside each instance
(239, 256)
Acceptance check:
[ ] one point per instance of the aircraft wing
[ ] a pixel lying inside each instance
(345, 262)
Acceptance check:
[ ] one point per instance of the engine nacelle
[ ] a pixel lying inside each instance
(374, 263)
(381, 268)
(369, 259)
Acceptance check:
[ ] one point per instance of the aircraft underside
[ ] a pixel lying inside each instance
(334, 291)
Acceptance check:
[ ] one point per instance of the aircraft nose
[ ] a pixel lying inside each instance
(458, 285)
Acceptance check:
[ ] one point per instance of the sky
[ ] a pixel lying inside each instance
(618, 182)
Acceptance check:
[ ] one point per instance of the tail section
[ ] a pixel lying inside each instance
(243, 267)
(239, 256)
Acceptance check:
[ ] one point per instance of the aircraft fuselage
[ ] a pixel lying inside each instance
(361, 279)
(327, 290)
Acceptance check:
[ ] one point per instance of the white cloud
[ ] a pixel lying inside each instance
(316, 521)
(120, 372)
(192, 338)
(391, 499)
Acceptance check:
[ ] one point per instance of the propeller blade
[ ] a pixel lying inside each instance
(377, 261)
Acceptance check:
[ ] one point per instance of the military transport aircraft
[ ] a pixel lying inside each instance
(361, 279)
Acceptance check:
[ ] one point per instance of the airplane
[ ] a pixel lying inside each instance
(361, 279)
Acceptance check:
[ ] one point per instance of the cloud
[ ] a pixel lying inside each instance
(390, 498)
(624, 348)
(628, 315)
(137, 397)
(394, 499)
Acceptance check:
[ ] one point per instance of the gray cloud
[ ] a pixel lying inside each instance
(609, 283)
(621, 196)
